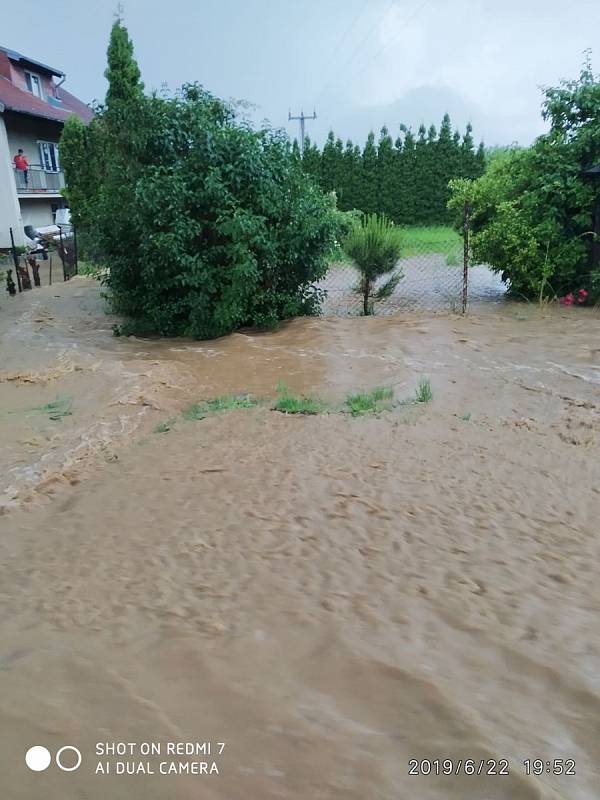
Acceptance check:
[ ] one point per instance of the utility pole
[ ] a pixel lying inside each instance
(302, 119)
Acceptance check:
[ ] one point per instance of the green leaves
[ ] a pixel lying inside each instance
(204, 224)
(533, 209)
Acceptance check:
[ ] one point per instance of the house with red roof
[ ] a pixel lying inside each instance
(33, 108)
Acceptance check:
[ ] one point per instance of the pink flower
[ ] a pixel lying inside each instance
(567, 300)
(583, 293)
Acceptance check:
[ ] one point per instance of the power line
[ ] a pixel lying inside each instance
(394, 39)
(404, 22)
(356, 49)
(302, 118)
(343, 37)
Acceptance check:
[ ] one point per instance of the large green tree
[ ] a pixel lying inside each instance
(204, 224)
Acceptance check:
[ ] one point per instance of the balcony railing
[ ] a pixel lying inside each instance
(38, 180)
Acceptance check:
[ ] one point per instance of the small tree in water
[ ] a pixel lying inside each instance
(374, 246)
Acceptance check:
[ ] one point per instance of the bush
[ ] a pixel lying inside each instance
(532, 211)
(374, 245)
(204, 224)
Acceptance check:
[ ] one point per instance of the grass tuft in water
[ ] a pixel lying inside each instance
(164, 427)
(289, 403)
(379, 399)
(57, 409)
(424, 393)
(225, 403)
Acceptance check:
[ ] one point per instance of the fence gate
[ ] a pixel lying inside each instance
(22, 271)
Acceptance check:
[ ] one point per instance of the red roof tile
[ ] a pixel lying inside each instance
(15, 99)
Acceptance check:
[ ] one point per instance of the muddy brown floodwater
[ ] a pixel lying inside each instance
(330, 597)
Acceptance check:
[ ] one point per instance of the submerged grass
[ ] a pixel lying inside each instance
(225, 403)
(380, 399)
(357, 404)
(289, 403)
(424, 393)
(56, 409)
(164, 427)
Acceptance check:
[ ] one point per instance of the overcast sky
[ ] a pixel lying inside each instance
(361, 63)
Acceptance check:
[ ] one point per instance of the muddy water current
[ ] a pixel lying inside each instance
(258, 605)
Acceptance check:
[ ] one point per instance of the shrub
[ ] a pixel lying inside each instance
(204, 224)
(374, 245)
(532, 211)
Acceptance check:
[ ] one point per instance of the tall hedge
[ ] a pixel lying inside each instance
(405, 179)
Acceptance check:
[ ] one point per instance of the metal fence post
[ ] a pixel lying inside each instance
(15, 259)
(465, 295)
(62, 252)
(75, 253)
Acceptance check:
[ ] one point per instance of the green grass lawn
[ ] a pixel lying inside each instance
(420, 240)
(430, 239)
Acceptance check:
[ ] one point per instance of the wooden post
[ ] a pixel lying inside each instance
(15, 259)
(466, 258)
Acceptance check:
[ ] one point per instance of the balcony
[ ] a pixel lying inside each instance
(39, 181)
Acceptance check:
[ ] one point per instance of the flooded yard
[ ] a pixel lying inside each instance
(331, 597)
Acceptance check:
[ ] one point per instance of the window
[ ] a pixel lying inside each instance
(49, 156)
(34, 83)
(55, 207)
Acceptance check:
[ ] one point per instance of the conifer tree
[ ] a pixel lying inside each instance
(445, 167)
(421, 188)
(399, 188)
(408, 178)
(311, 160)
(347, 184)
(124, 139)
(122, 73)
(467, 154)
(339, 178)
(480, 160)
(386, 178)
(368, 183)
(328, 166)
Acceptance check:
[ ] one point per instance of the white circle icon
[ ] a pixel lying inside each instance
(38, 758)
(62, 750)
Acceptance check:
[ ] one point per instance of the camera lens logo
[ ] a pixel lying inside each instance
(38, 758)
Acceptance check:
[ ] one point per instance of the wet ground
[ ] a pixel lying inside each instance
(330, 597)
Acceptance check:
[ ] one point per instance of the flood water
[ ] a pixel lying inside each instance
(330, 598)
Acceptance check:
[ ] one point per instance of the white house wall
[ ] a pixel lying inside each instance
(37, 212)
(10, 213)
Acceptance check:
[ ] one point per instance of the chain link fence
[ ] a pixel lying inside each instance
(436, 276)
(430, 282)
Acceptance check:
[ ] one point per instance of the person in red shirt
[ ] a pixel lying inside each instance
(22, 165)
